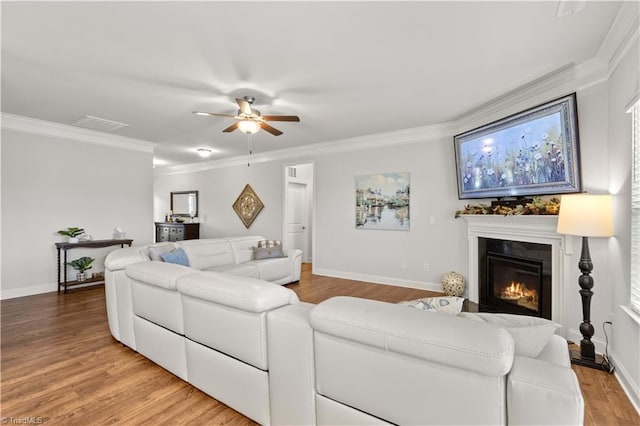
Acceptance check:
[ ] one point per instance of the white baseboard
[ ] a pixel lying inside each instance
(12, 293)
(627, 383)
(375, 279)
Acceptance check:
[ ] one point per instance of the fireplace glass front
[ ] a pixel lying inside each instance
(515, 277)
(514, 283)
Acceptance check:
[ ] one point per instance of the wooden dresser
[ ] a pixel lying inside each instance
(176, 231)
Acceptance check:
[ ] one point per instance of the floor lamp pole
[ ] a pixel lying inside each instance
(587, 355)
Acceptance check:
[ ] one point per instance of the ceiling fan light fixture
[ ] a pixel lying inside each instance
(204, 152)
(249, 127)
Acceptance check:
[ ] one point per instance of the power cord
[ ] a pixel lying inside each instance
(606, 364)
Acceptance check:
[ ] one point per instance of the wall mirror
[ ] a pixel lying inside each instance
(184, 203)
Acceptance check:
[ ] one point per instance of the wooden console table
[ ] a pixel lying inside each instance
(64, 247)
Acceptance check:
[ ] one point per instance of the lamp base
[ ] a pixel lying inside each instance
(598, 364)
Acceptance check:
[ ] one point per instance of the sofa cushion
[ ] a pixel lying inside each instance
(530, 334)
(242, 269)
(260, 253)
(177, 256)
(208, 253)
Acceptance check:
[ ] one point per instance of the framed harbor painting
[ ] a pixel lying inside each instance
(382, 201)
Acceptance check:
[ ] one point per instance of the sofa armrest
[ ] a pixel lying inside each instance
(159, 274)
(543, 393)
(555, 352)
(119, 258)
(296, 259)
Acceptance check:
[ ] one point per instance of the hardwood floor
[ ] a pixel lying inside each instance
(60, 365)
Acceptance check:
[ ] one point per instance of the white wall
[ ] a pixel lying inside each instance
(51, 183)
(218, 190)
(398, 257)
(623, 85)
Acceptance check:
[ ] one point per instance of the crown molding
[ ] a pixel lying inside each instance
(400, 137)
(35, 126)
(624, 31)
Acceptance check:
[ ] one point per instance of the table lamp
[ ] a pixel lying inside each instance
(586, 215)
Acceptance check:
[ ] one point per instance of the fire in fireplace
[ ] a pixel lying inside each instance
(515, 277)
(519, 294)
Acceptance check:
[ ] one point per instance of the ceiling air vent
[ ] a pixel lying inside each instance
(100, 124)
(569, 7)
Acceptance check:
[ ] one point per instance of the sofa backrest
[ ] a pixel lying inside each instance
(208, 253)
(228, 313)
(243, 247)
(409, 366)
(154, 293)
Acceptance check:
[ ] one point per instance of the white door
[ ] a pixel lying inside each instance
(297, 235)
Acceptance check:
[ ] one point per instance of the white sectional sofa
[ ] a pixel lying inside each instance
(252, 345)
(231, 255)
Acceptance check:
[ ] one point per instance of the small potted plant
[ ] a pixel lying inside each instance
(81, 264)
(72, 233)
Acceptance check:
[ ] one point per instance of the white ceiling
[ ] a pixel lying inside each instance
(346, 68)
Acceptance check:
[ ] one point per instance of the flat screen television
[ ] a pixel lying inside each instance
(534, 152)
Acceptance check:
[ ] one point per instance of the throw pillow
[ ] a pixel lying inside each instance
(269, 243)
(156, 251)
(178, 256)
(530, 334)
(446, 304)
(260, 253)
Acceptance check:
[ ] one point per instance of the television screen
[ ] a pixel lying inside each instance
(534, 152)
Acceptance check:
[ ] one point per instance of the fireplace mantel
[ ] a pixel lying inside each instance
(539, 229)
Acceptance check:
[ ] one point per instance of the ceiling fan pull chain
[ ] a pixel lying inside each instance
(249, 149)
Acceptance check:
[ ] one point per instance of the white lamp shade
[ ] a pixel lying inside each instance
(586, 215)
(249, 126)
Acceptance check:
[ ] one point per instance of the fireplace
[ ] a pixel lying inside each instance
(515, 277)
(538, 229)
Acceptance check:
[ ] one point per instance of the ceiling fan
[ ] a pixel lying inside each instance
(250, 120)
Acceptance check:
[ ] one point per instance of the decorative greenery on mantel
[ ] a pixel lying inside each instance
(538, 206)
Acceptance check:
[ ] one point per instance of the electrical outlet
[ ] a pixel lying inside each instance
(432, 220)
(426, 266)
(403, 265)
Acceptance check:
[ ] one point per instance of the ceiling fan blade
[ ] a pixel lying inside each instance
(281, 118)
(231, 128)
(245, 107)
(214, 114)
(270, 129)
